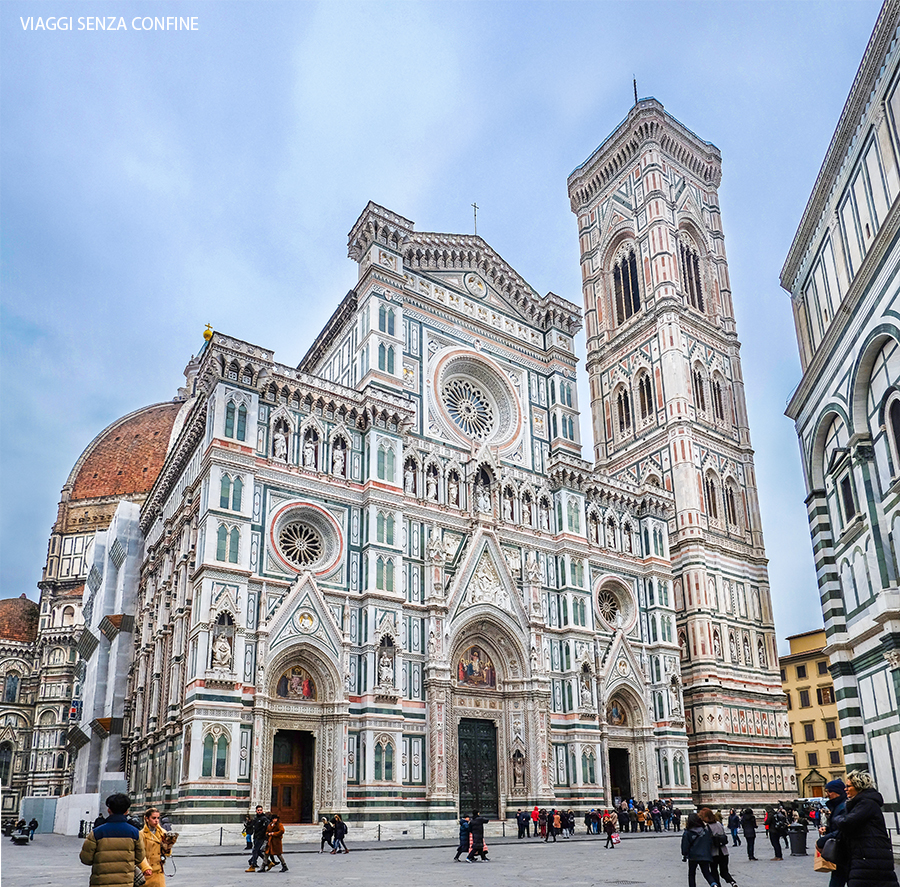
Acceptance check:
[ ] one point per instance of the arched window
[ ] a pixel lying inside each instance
(666, 779)
(732, 498)
(718, 399)
(215, 756)
(11, 687)
(386, 319)
(386, 358)
(698, 385)
(68, 616)
(225, 492)
(6, 754)
(389, 763)
(379, 761)
(645, 397)
(384, 574)
(233, 542)
(893, 425)
(711, 489)
(626, 289)
(237, 491)
(227, 543)
(678, 762)
(386, 462)
(690, 274)
(653, 634)
(623, 411)
(242, 422)
(384, 528)
(229, 420)
(761, 654)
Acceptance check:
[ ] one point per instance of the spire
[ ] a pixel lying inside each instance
(634, 81)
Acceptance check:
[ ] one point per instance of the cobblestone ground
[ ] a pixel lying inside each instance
(579, 862)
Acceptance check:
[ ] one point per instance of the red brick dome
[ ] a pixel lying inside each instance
(18, 619)
(126, 457)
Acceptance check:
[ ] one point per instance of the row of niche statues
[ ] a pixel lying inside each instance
(309, 455)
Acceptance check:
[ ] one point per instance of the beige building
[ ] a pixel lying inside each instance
(812, 713)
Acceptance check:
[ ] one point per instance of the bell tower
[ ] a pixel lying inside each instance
(668, 409)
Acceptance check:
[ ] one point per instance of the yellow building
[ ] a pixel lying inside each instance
(812, 713)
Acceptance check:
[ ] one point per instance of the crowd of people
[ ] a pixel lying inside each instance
(852, 836)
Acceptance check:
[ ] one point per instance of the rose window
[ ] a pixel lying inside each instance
(608, 604)
(469, 408)
(301, 544)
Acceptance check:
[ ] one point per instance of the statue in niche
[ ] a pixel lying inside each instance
(338, 461)
(717, 645)
(732, 648)
(507, 508)
(610, 536)
(280, 445)
(535, 662)
(627, 540)
(431, 487)
(533, 568)
(483, 497)
(585, 687)
(435, 549)
(674, 690)
(432, 645)
(544, 512)
(385, 670)
(222, 653)
(747, 657)
(526, 511)
(453, 490)
(409, 479)
(309, 453)
(518, 769)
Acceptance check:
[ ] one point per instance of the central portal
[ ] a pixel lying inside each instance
(620, 773)
(292, 775)
(478, 767)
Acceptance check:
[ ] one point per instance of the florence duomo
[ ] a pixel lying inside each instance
(392, 581)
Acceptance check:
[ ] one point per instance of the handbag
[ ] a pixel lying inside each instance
(139, 879)
(616, 839)
(829, 850)
(820, 864)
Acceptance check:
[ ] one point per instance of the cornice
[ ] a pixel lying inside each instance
(870, 69)
(647, 121)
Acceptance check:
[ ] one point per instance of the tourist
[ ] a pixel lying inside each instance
(248, 831)
(32, 828)
(609, 827)
(259, 825)
(836, 804)
(463, 837)
(676, 819)
(696, 850)
(863, 832)
(535, 815)
(327, 833)
(719, 866)
(748, 825)
(156, 847)
(522, 820)
(476, 838)
(734, 823)
(340, 832)
(115, 849)
(274, 835)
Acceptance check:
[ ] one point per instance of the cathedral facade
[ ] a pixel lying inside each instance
(386, 583)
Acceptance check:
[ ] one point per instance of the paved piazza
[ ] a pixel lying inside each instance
(579, 862)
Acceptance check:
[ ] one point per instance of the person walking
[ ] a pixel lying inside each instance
(260, 825)
(773, 824)
(156, 847)
(609, 828)
(719, 866)
(476, 837)
(463, 837)
(327, 834)
(748, 825)
(676, 819)
(274, 836)
(734, 823)
(248, 831)
(862, 829)
(115, 848)
(837, 805)
(32, 828)
(535, 815)
(340, 832)
(696, 850)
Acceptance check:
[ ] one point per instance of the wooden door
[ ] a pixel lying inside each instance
(292, 769)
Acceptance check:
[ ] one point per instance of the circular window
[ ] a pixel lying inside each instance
(300, 543)
(609, 605)
(304, 536)
(469, 408)
(476, 400)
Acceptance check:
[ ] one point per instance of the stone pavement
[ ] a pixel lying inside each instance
(648, 859)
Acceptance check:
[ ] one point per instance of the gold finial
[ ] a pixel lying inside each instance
(208, 332)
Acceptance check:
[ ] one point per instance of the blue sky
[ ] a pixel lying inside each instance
(153, 182)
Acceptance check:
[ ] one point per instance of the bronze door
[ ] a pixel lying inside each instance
(478, 767)
(292, 769)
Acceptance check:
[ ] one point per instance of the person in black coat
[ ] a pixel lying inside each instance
(836, 803)
(864, 836)
(696, 849)
(748, 824)
(463, 837)
(476, 830)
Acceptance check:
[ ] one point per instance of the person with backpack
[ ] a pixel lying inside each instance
(719, 866)
(696, 850)
(776, 825)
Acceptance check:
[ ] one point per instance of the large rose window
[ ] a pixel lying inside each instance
(476, 400)
(301, 543)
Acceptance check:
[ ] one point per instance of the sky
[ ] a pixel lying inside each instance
(152, 182)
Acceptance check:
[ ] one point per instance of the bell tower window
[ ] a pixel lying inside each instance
(625, 285)
(690, 275)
